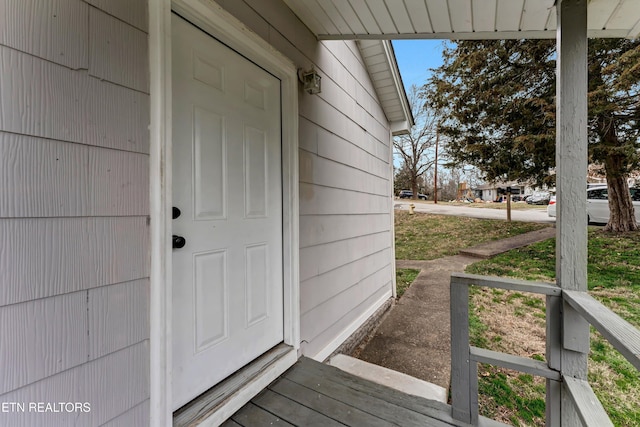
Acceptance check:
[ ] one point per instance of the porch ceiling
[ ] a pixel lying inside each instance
(457, 19)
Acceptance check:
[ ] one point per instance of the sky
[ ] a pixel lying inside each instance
(415, 57)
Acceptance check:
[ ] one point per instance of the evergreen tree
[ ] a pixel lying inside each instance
(501, 98)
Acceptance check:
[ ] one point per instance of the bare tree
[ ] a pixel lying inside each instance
(402, 180)
(416, 148)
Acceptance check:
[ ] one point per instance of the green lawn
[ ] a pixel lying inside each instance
(514, 322)
(425, 236)
(404, 279)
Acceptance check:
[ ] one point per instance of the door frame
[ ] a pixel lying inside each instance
(213, 19)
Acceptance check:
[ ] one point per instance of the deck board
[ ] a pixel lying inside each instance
(315, 394)
(252, 415)
(339, 411)
(430, 408)
(372, 404)
(292, 411)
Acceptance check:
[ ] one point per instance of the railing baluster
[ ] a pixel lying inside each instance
(460, 383)
(553, 396)
(553, 402)
(473, 392)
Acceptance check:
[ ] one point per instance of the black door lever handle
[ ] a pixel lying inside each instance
(178, 242)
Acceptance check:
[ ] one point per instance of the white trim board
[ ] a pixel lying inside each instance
(160, 197)
(394, 283)
(322, 355)
(243, 396)
(211, 18)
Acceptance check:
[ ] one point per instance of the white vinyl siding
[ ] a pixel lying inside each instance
(74, 206)
(62, 40)
(345, 205)
(84, 180)
(137, 416)
(112, 385)
(113, 44)
(45, 257)
(43, 320)
(134, 12)
(40, 98)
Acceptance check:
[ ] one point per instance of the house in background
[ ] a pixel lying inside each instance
(115, 112)
(491, 191)
(164, 228)
(597, 175)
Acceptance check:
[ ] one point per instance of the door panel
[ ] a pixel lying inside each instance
(209, 168)
(211, 312)
(256, 177)
(227, 181)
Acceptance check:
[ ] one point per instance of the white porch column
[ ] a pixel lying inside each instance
(571, 184)
(160, 413)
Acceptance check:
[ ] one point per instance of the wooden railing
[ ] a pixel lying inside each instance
(581, 399)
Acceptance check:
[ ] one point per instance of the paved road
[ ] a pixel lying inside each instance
(526, 215)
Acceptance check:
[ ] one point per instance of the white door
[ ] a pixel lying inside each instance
(227, 183)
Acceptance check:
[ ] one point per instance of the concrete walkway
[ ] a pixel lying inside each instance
(489, 249)
(414, 338)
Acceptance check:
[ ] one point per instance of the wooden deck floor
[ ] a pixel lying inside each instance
(314, 394)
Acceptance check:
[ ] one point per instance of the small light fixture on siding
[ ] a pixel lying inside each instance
(311, 81)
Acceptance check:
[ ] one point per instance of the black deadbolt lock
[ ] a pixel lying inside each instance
(176, 212)
(178, 242)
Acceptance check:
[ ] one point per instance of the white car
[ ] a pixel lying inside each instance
(598, 204)
(551, 207)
